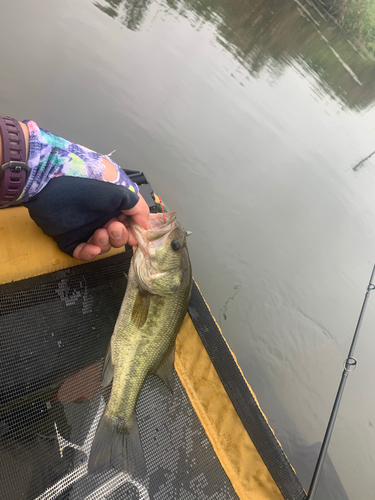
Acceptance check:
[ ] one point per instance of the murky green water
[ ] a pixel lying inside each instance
(249, 117)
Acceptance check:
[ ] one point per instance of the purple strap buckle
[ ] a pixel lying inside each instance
(14, 171)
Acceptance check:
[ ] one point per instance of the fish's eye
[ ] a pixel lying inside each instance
(176, 245)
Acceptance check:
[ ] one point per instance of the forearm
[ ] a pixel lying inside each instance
(110, 171)
(79, 197)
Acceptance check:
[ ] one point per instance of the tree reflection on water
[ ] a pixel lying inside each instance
(273, 35)
(130, 12)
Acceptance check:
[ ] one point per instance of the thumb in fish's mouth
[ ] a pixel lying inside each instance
(131, 238)
(132, 241)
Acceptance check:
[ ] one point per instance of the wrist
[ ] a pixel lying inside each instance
(14, 170)
(25, 131)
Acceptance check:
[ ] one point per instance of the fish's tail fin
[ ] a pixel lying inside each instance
(119, 449)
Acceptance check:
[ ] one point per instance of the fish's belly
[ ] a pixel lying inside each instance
(139, 355)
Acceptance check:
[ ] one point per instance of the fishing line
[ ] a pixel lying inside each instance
(162, 207)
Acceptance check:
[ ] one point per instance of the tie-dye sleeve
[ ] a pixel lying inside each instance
(52, 156)
(66, 194)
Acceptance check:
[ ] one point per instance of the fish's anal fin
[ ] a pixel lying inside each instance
(107, 372)
(140, 308)
(165, 370)
(116, 448)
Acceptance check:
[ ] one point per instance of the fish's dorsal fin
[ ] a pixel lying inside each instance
(165, 370)
(140, 308)
(107, 372)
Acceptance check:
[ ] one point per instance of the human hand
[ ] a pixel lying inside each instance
(79, 197)
(115, 233)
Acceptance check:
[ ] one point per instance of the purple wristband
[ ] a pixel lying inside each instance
(14, 170)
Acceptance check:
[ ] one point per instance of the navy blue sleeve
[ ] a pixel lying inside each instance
(71, 209)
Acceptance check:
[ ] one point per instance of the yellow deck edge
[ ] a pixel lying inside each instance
(25, 251)
(238, 456)
(239, 368)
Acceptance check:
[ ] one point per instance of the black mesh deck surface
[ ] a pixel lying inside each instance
(51, 328)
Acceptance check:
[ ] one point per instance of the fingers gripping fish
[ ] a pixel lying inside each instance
(154, 306)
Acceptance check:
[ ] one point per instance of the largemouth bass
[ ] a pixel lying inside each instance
(154, 306)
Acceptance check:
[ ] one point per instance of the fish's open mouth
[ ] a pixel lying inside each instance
(159, 229)
(157, 220)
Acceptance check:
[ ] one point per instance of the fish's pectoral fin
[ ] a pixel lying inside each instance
(107, 372)
(118, 449)
(126, 276)
(165, 370)
(140, 308)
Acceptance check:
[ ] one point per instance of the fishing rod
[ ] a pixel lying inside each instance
(356, 167)
(350, 364)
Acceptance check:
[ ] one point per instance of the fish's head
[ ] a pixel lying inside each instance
(161, 261)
